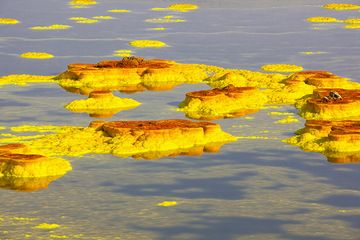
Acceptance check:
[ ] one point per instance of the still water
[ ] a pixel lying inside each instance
(251, 189)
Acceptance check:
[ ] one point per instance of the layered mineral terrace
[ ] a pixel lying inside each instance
(217, 103)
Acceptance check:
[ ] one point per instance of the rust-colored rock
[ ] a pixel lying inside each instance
(133, 62)
(230, 91)
(320, 79)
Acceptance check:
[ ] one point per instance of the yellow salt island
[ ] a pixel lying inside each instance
(132, 72)
(24, 79)
(148, 44)
(341, 6)
(9, 21)
(131, 138)
(330, 104)
(22, 165)
(281, 68)
(321, 19)
(51, 27)
(102, 104)
(222, 103)
(36, 55)
(338, 140)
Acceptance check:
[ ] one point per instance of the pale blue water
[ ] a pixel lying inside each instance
(252, 189)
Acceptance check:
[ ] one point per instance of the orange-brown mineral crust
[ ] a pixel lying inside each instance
(229, 91)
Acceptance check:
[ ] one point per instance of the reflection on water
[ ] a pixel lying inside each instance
(26, 184)
(253, 188)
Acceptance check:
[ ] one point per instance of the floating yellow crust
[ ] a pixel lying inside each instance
(321, 19)
(9, 21)
(102, 103)
(311, 53)
(36, 55)
(341, 6)
(352, 26)
(103, 17)
(148, 44)
(320, 106)
(47, 226)
(281, 68)
(178, 7)
(165, 19)
(226, 102)
(352, 20)
(157, 29)
(29, 165)
(167, 204)
(119, 10)
(123, 53)
(130, 138)
(287, 120)
(339, 140)
(131, 72)
(87, 21)
(51, 27)
(82, 2)
(24, 79)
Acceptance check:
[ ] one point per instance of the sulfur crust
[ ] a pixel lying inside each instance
(321, 19)
(178, 7)
(9, 21)
(98, 105)
(281, 68)
(51, 27)
(103, 17)
(341, 6)
(119, 10)
(24, 79)
(147, 44)
(352, 26)
(82, 2)
(47, 226)
(287, 120)
(352, 20)
(36, 55)
(164, 20)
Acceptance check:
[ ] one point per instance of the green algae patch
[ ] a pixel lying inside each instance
(24, 79)
(148, 44)
(226, 102)
(9, 21)
(51, 27)
(36, 55)
(321, 19)
(341, 6)
(47, 226)
(102, 103)
(281, 68)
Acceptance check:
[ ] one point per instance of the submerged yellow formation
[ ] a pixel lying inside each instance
(131, 138)
(51, 27)
(148, 44)
(226, 102)
(37, 55)
(102, 103)
(281, 68)
(9, 21)
(341, 6)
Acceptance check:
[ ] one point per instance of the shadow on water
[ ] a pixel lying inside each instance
(228, 228)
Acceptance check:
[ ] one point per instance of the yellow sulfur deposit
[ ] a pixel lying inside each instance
(148, 44)
(51, 27)
(341, 6)
(320, 19)
(130, 138)
(36, 55)
(82, 2)
(281, 68)
(9, 21)
(157, 29)
(103, 17)
(178, 7)
(123, 53)
(29, 165)
(87, 21)
(78, 18)
(288, 119)
(164, 20)
(352, 26)
(102, 103)
(226, 102)
(352, 20)
(119, 10)
(24, 79)
(311, 53)
(47, 226)
(167, 204)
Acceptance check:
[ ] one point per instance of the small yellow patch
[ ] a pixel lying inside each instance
(51, 27)
(352, 20)
(311, 53)
(320, 19)
(281, 68)
(119, 10)
(178, 7)
(47, 226)
(167, 204)
(23, 79)
(82, 2)
(9, 21)
(78, 18)
(287, 120)
(352, 26)
(36, 55)
(103, 17)
(157, 29)
(87, 21)
(123, 53)
(59, 236)
(341, 6)
(165, 20)
(148, 44)
(24, 219)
